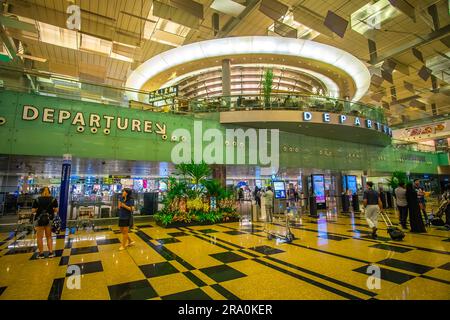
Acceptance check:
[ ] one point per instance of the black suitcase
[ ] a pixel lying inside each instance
(394, 232)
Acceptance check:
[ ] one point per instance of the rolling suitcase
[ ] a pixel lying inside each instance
(394, 232)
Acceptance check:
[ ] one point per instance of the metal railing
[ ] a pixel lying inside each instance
(285, 102)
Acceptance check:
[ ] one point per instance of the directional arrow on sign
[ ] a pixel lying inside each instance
(160, 130)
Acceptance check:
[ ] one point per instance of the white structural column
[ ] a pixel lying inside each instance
(226, 77)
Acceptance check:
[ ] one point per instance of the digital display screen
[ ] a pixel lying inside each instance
(138, 184)
(319, 188)
(280, 189)
(258, 183)
(162, 186)
(352, 184)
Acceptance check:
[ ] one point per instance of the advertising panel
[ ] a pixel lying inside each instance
(319, 187)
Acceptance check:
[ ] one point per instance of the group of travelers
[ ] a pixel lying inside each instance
(411, 204)
(45, 211)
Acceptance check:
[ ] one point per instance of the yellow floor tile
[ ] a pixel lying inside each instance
(172, 283)
(94, 284)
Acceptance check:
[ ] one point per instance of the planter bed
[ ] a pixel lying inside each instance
(179, 224)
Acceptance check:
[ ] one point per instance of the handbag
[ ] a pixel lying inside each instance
(56, 224)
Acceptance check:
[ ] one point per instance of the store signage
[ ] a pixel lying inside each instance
(163, 96)
(346, 120)
(93, 121)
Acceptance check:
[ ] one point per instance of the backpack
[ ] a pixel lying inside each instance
(56, 224)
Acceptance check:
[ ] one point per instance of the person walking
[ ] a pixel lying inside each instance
(268, 201)
(126, 208)
(446, 197)
(415, 218)
(372, 205)
(44, 209)
(402, 204)
(421, 198)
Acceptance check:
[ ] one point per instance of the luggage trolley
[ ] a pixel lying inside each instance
(85, 217)
(286, 234)
(25, 219)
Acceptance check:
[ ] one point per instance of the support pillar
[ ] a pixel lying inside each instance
(64, 190)
(226, 81)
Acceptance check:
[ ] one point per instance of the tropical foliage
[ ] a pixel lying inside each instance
(396, 178)
(189, 198)
(267, 86)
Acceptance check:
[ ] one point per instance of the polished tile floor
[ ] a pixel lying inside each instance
(329, 259)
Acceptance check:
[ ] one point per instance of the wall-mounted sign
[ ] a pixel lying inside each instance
(426, 132)
(163, 96)
(95, 122)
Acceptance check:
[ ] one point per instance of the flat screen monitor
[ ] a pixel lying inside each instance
(352, 184)
(318, 182)
(280, 189)
(162, 186)
(258, 183)
(138, 184)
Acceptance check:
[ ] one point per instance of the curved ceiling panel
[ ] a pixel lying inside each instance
(254, 45)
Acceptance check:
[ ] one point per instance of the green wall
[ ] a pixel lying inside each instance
(36, 137)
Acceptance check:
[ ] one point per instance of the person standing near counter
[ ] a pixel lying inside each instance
(402, 204)
(268, 201)
(126, 208)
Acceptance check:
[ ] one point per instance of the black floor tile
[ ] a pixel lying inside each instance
(208, 231)
(136, 290)
(56, 290)
(58, 253)
(224, 292)
(178, 234)
(332, 237)
(168, 240)
(144, 226)
(102, 229)
(199, 282)
(266, 250)
(84, 250)
(2, 289)
(251, 229)
(227, 257)
(445, 266)
(388, 275)
(107, 241)
(184, 263)
(157, 269)
(390, 248)
(194, 294)
(89, 267)
(19, 250)
(68, 244)
(379, 238)
(234, 232)
(222, 273)
(404, 265)
(64, 261)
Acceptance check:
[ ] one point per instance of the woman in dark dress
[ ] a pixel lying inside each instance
(415, 218)
(126, 208)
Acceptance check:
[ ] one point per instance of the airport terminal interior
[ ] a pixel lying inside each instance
(247, 149)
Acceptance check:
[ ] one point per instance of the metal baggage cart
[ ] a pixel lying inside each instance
(85, 217)
(280, 229)
(25, 219)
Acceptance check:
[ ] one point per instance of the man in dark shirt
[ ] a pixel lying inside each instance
(372, 205)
